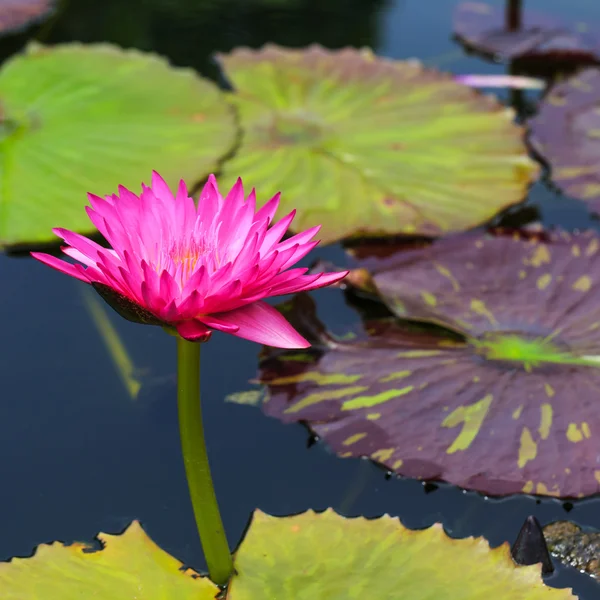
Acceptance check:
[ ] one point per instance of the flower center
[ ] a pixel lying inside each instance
(183, 257)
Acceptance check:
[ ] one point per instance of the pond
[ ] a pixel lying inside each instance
(81, 456)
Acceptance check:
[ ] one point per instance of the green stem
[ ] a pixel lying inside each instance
(197, 469)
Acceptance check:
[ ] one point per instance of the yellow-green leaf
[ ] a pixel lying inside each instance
(364, 145)
(86, 118)
(328, 557)
(129, 567)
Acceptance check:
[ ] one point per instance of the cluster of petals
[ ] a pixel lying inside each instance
(196, 268)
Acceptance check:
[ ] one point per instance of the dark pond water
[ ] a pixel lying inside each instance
(79, 456)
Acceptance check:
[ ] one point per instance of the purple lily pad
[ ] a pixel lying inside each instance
(16, 14)
(482, 27)
(566, 134)
(508, 404)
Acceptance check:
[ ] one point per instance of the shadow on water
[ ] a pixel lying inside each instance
(79, 456)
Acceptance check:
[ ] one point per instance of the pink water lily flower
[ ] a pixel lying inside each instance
(195, 269)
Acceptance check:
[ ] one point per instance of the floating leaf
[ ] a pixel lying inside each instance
(328, 556)
(574, 547)
(365, 145)
(78, 119)
(483, 28)
(566, 133)
(513, 408)
(129, 566)
(305, 556)
(15, 14)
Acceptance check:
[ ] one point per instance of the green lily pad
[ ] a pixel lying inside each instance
(78, 119)
(574, 546)
(129, 566)
(364, 145)
(325, 555)
(507, 405)
(316, 556)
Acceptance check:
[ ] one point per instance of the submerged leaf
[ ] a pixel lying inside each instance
(112, 341)
(574, 547)
(512, 408)
(365, 145)
(129, 566)
(566, 133)
(78, 119)
(483, 27)
(325, 555)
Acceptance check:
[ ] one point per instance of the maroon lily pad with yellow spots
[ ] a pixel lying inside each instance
(507, 405)
(486, 28)
(16, 14)
(566, 134)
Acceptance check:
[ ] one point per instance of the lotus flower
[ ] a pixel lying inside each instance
(194, 269)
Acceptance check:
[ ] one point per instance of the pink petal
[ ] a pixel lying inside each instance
(218, 324)
(215, 302)
(122, 240)
(235, 198)
(260, 322)
(300, 239)
(198, 282)
(307, 283)
(170, 312)
(219, 278)
(209, 202)
(110, 277)
(251, 200)
(248, 276)
(236, 224)
(185, 209)
(76, 271)
(160, 188)
(247, 254)
(289, 275)
(168, 288)
(99, 214)
(301, 252)
(276, 232)
(133, 265)
(79, 256)
(150, 289)
(267, 274)
(193, 331)
(133, 285)
(269, 209)
(80, 242)
(191, 306)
